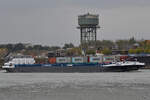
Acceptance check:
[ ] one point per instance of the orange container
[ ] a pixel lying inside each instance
(52, 60)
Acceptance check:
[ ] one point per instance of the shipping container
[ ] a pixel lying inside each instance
(52, 60)
(63, 60)
(95, 59)
(23, 61)
(117, 58)
(109, 59)
(79, 59)
(123, 58)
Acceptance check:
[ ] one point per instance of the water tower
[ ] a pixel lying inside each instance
(88, 25)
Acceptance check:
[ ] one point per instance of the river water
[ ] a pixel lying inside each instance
(75, 86)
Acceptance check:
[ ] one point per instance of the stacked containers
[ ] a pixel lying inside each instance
(63, 60)
(95, 59)
(31, 60)
(108, 59)
(79, 59)
(15, 61)
(23, 60)
(122, 57)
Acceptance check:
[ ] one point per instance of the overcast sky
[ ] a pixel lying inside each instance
(54, 22)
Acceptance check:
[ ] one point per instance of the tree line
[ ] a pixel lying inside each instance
(103, 46)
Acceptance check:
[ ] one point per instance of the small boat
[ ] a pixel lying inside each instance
(124, 66)
(27, 64)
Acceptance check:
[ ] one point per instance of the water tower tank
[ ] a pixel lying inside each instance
(88, 20)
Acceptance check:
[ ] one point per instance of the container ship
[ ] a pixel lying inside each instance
(71, 64)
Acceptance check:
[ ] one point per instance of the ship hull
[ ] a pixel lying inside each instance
(122, 68)
(67, 69)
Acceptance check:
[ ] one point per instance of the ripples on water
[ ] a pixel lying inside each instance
(75, 86)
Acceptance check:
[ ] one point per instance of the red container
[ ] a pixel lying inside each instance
(52, 60)
(88, 59)
(122, 58)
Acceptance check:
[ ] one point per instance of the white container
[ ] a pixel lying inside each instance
(79, 59)
(63, 60)
(108, 58)
(95, 59)
(23, 60)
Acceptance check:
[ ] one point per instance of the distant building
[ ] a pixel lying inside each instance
(114, 52)
(136, 45)
(57, 53)
(147, 42)
(28, 45)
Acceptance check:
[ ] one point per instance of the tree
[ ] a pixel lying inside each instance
(132, 51)
(132, 41)
(18, 46)
(106, 51)
(9, 46)
(107, 44)
(139, 50)
(53, 48)
(3, 52)
(70, 45)
(90, 52)
(136, 51)
(74, 52)
(122, 44)
(37, 47)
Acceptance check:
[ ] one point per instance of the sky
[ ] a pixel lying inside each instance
(54, 22)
